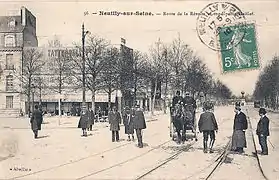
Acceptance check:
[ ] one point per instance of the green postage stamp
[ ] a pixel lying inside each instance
(242, 55)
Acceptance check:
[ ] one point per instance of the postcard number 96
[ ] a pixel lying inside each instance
(228, 62)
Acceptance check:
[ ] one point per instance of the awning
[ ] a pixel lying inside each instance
(103, 97)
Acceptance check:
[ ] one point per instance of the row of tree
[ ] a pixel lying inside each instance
(167, 67)
(267, 85)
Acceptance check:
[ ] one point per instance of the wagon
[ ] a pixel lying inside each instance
(190, 124)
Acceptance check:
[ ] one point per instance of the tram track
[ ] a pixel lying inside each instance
(123, 162)
(227, 151)
(81, 159)
(165, 161)
(255, 147)
(173, 156)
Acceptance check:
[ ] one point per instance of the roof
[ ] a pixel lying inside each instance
(4, 24)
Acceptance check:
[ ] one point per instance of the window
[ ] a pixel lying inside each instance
(9, 102)
(9, 83)
(9, 62)
(10, 41)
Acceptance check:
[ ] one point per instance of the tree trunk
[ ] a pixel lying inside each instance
(93, 99)
(28, 102)
(109, 99)
(154, 98)
(29, 97)
(165, 97)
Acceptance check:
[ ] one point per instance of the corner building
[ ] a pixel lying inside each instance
(16, 32)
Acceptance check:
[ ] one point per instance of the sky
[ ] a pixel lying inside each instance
(64, 19)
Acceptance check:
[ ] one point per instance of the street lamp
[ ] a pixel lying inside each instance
(33, 91)
(83, 34)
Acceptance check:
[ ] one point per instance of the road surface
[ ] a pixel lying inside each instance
(61, 152)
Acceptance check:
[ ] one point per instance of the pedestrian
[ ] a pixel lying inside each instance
(239, 127)
(83, 120)
(139, 124)
(128, 123)
(90, 119)
(177, 99)
(263, 131)
(36, 121)
(208, 126)
(114, 119)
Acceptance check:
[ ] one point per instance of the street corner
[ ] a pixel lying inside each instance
(239, 48)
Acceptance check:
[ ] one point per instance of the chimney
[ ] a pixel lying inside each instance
(23, 16)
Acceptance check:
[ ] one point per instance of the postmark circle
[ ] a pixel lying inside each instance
(218, 22)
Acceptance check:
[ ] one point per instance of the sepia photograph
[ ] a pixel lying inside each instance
(136, 90)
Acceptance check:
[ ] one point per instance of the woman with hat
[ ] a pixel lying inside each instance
(207, 125)
(239, 127)
(263, 131)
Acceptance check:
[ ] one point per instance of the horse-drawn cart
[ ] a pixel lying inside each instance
(182, 119)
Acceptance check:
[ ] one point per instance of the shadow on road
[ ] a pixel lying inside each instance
(41, 137)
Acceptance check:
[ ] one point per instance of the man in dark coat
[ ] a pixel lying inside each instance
(188, 100)
(208, 125)
(84, 117)
(139, 124)
(114, 119)
(239, 127)
(176, 99)
(128, 123)
(36, 121)
(190, 103)
(90, 120)
(263, 131)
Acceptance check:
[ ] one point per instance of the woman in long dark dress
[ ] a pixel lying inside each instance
(128, 123)
(239, 127)
(83, 121)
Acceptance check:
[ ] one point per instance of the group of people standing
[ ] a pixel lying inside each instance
(133, 120)
(86, 121)
(240, 126)
(208, 125)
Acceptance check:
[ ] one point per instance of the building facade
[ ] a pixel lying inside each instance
(16, 32)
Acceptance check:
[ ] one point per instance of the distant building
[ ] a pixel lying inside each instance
(16, 32)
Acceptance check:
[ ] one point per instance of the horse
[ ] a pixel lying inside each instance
(179, 121)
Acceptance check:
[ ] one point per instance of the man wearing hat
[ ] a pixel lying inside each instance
(207, 125)
(190, 103)
(239, 127)
(176, 99)
(128, 122)
(114, 119)
(139, 124)
(83, 121)
(263, 131)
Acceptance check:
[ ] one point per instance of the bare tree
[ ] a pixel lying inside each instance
(95, 50)
(32, 63)
(180, 55)
(156, 68)
(61, 67)
(267, 86)
(109, 76)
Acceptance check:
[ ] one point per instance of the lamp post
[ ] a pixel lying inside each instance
(83, 34)
(33, 91)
